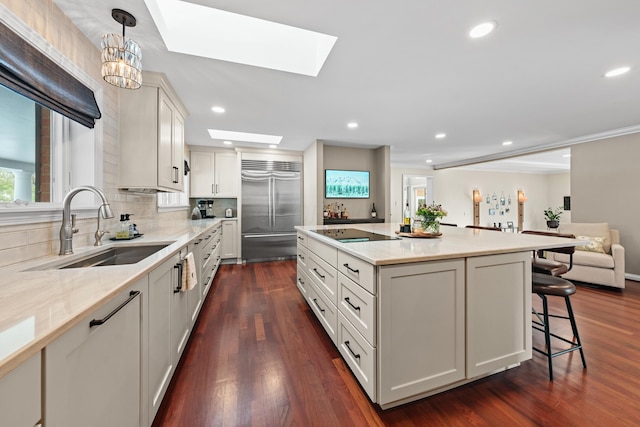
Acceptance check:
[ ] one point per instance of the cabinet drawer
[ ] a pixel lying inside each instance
(303, 255)
(302, 238)
(359, 306)
(325, 311)
(324, 276)
(20, 394)
(358, 270)
(302, 281)
(358, 354)
(324, 251)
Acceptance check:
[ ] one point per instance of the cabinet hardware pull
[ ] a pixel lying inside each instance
(179, 266)
(175, 174)
(98, 322)
(301, 257)
(319, 275)
(199, 240)
(351, 304)
(315, 301)
(300, 281)
(300, 238)
(351, 269)
(213, 189)
(357, 356)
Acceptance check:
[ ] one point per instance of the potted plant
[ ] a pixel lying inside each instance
(553, 217)
(430, 217)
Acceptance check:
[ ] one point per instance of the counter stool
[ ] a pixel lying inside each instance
(545, 266)
(545, 285)
(480, 227)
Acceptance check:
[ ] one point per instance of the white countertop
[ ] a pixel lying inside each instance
(455, 242)
(37, 306)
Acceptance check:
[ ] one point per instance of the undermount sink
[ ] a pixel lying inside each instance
(118, 255)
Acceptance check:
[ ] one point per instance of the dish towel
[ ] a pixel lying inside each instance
(189, 276)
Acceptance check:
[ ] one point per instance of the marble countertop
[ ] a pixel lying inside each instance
(38, 306)
(455, 242)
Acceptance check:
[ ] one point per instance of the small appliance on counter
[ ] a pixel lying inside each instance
(206, 208)
(228, 213)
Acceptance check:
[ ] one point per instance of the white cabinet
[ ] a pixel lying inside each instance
(162, 282)
(421, 341)
(180, 316)
(229, 247)
(93, 372)
(498, 312)
(214, 174)
(20, 394)
(152, 137)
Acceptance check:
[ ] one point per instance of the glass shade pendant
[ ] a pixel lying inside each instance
(121, 56)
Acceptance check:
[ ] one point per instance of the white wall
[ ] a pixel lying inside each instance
(452, 188)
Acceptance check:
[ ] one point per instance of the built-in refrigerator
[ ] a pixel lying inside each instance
(271, 207)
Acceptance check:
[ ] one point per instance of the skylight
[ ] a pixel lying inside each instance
(212, 33)
(244, 136)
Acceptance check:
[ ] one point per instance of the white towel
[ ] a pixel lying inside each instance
(189, 276)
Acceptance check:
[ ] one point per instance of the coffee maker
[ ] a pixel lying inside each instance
(202, 207)
(209, 208)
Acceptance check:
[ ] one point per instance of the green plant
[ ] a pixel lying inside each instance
(431, 212)
(553, 214)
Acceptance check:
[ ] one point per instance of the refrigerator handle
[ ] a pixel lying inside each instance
(273, 201)
(269, 201)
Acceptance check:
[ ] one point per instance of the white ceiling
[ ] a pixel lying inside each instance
(407, 70)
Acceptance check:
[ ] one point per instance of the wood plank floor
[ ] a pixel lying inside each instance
(258, 357)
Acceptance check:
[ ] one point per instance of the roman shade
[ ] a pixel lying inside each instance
(27, 71)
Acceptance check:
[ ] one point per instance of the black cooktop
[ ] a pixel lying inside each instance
(350, 235)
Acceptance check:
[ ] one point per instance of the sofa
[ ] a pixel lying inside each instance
(601, 262)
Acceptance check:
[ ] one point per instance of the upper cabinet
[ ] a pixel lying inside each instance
(214, 174)
(152, 137)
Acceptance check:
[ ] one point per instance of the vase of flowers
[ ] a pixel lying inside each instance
(553, 217)
(430, 217)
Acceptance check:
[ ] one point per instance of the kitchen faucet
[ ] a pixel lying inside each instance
(67, 230)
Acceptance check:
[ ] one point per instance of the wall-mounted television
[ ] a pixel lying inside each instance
(344, 184)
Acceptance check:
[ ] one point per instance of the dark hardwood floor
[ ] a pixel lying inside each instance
(258, 357)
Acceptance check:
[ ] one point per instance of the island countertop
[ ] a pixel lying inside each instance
(39, 305)
(455, 242)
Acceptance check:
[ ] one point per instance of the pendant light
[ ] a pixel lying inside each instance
(121, 56)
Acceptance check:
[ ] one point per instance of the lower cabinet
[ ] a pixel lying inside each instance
(162, 342)
(421, 328)
(229, 239)
(93, 372)
(20, 395)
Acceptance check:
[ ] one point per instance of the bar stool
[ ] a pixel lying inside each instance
(545, 285)
(480, 227)
(545, 266)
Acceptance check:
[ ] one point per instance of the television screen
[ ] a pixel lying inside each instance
(342, 184)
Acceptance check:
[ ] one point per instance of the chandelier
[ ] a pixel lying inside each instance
(121, 56)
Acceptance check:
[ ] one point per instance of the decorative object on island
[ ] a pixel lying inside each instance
(121, 56)
(430, 217)
(477, 198)
(521, 199)
(373, 211)
(552, 216)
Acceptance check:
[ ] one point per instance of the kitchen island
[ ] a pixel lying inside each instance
(413, 317)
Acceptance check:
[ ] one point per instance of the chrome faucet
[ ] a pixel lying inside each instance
(67, 230)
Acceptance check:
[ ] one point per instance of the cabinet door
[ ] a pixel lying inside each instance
(177, 156)
(202, 180)
(180, 316)
(498, 312)
(93, 371)
(226, 174)
(160, 364)
(167, 173)
(20, 394)
(194, 296)
(421, 329)
(229, 239)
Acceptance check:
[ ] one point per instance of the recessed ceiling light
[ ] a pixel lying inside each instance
(507, 143)
(566, 155)
(617, 72)
(218, 109)
(429, 161)
(244, 136)
(441, 135)
(227, 142)
(273, 146)
(199, 30)
(352, 125)
(483, 29)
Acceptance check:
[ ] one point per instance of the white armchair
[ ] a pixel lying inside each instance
(602, 261)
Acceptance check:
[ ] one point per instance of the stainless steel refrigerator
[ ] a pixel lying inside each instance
(271, 207)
